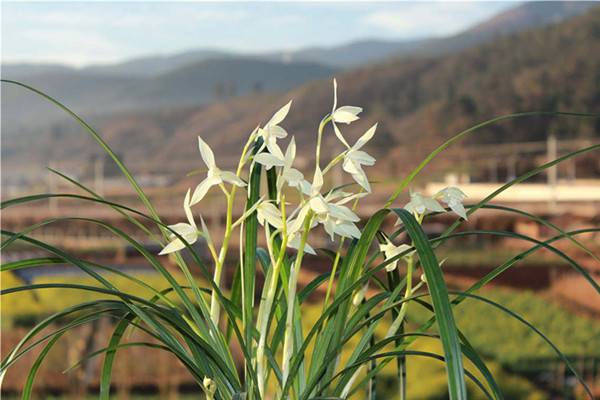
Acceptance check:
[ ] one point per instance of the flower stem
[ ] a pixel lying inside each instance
(215, 308)
(324, 122)
(291, 299)
(265, 308)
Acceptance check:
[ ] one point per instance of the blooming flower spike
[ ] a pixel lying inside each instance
(215, 176)
(355, 158)
(189, 232)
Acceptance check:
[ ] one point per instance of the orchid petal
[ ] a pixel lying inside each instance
(280, 115)
(188, 210)
(347, 229)
(342, 213)
(232, 178)
(368, 135)
(458, 208)
(334, 95)
(206, 153)
(268, 160)
(317, 181)
(361, 157)
(338, 133)
(172, 247)
(346, 114)
(203, 188)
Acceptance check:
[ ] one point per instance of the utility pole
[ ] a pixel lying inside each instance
(552, 154)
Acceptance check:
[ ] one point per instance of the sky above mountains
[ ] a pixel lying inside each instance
(79, 34)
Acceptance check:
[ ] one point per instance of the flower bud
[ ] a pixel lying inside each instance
(210, 387)
(360, 295)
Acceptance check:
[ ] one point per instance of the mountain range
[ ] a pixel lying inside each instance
(421, 91)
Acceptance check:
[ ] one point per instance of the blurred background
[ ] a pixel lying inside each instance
(151, 76)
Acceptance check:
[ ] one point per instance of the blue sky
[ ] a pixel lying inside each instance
(82, 33)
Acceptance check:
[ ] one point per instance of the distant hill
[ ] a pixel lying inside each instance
(419, 102)
(529, 15)
(192, 84)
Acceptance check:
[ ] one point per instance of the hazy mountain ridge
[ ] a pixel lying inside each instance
(524, 16)
(419, 102)
(201, 76)
(192, 84)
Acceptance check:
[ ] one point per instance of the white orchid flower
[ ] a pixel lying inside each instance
(420, 205)
(343, 115)
(453, 197)
(289, 174)
(316, 202)
(189, 232)
(337, 226)
(272, 131)
(336, 218)
(355, 158)
(390, 250)
(215, 176)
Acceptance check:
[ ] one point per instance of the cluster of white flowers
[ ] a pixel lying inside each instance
(325, 207)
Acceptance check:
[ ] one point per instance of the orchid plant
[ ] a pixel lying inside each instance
(369, 286)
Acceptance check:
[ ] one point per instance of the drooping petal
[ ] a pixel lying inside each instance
(329, 226)
(346, 114)
(203, 188)
(350, 166)
(206, 153)
(361, 157)
(232, 178)
(187, 231)
(294, 243)
(347, 229)
(339, 135)
(365, 137)
(432, 204)
(268, 160)
(269, 213)
(280, 115)
(342, 213)
(277, 132)
(458, 208)
(172, 247)
(361, 178)
(187, 209)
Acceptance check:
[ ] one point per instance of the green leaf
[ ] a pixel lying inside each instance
(441, 305)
